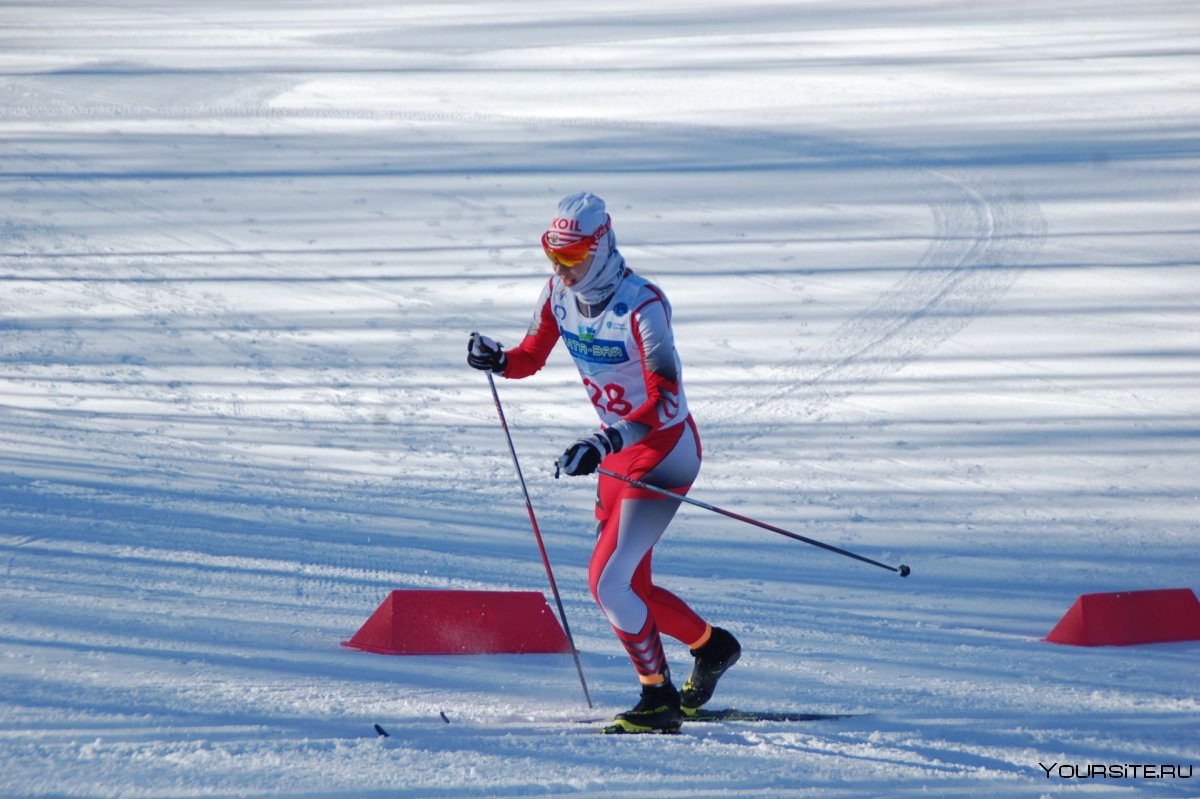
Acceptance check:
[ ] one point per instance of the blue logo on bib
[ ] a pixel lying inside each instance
(595, 350)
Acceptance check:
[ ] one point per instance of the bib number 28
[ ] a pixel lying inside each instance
(609, 398)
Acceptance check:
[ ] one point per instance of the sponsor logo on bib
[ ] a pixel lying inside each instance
(595, 350)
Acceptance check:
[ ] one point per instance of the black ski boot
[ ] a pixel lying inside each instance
(719, 652)
(657, 712)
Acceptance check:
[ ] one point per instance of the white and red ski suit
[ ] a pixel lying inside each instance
(627, 359)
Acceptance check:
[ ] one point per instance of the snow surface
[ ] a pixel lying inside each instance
(934, 270)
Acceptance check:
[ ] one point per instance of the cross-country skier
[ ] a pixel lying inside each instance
(617, 327)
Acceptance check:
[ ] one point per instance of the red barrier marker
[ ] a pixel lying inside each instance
(1130, 617)
(461, 623)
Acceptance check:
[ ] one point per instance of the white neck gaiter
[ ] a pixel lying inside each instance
(608, 267)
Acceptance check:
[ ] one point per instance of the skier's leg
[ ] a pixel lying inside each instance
(622, 545)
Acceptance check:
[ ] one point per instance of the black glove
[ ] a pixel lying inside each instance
(486, 354)
(584, 456)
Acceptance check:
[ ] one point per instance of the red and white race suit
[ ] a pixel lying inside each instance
(627, 359)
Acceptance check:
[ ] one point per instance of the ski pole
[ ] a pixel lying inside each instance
(537, 533)
(902, 570)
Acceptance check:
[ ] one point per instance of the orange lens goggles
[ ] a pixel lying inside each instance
(572, 254)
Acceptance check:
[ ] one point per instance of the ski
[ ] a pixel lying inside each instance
(701, 716)
(705, 715)
(733, 714)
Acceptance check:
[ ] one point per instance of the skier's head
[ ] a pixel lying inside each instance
(580, 228)
(582, 247)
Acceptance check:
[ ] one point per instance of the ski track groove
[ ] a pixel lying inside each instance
(939, 297)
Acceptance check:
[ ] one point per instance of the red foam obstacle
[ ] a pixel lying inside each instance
(1130, 617)
(461, 623)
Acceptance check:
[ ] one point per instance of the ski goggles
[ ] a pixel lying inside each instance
(572, 254)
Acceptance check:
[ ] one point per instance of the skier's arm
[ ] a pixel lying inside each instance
(656, 345)
(530, 355)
